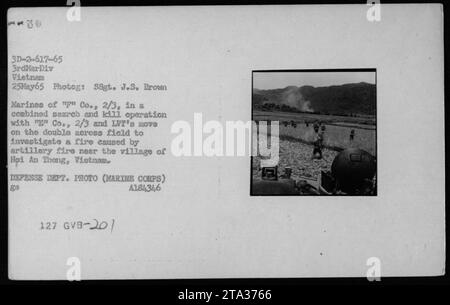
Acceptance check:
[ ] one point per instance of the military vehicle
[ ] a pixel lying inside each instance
(352, 172)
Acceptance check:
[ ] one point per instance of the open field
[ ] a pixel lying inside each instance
(295, 143)
(335, 137)
(365, 121)
(337, 129)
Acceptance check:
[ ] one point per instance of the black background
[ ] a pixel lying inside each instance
(167, 290)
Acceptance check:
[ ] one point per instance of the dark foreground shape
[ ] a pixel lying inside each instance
(352, 173)
(352, 168)
(274, 187)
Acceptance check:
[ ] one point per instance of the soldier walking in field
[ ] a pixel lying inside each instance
(318, 142)
(352, 135)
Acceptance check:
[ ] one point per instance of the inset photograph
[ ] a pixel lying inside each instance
(326, 132)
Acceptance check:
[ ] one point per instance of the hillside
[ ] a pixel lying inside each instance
(348, 99)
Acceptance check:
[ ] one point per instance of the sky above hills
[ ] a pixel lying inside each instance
(274, 80)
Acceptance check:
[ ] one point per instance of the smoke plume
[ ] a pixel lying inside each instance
(293, 98)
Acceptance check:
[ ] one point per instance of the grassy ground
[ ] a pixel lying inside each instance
(311, 117)
(334, 136)
(296, 146)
